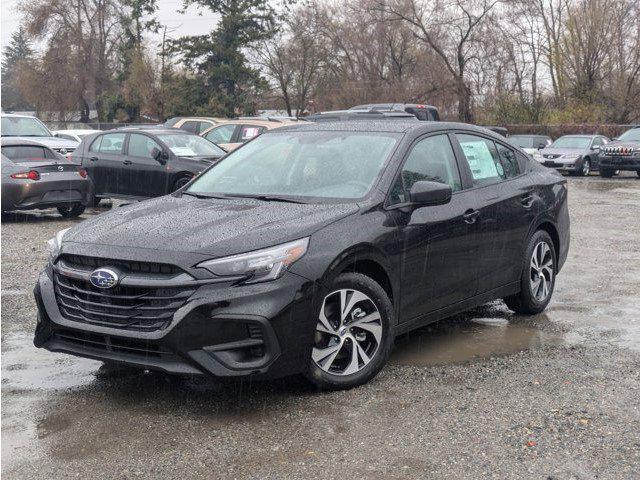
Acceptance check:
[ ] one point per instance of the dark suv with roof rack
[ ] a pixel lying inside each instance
(621, 154)
(420, 111)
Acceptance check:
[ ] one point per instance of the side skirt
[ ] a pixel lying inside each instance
(459, 307)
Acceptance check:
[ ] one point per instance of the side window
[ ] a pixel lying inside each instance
(247, 132)
(142, 146)
(483, 160)
(431, 159)
(203, 126)
(110, 143)
(509, 162)
(221, 134)
(95, 145)
(190, 126)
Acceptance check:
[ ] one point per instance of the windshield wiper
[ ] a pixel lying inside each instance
(266, 198)
(204, 195)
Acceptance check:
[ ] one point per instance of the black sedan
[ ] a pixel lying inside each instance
(36, 177)
(307, 250)
(141, 163)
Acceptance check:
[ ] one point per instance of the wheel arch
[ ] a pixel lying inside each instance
(369, 261)
(548, 226)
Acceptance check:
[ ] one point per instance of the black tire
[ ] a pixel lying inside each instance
(71, 211)
(93, 201)
(181, 182)
(525, 302)
(380, 299)
(638, 173)
(585, 168)
(607, 172)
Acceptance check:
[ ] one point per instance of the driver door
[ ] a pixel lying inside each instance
(439, 243)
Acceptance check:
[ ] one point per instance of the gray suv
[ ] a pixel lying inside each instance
(574, 154)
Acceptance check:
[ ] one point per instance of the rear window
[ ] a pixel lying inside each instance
(28, 153)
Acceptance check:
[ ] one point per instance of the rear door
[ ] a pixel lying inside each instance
(105, 157)
(142, 175)
(507, 204)
(439, 242)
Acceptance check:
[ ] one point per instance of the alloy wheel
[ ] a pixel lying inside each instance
(348, 332)
(586, 167)
(541, 271)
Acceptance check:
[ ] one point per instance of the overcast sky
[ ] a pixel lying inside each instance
(188, 24)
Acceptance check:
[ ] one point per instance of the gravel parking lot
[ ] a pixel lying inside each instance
(482, 395)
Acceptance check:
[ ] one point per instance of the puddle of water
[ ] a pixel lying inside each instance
(460, 341)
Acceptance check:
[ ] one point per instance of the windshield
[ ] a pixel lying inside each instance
(632, 135)
(342, 165)
(185, 145)
(24, 127)
(525, 141)
(571, 142)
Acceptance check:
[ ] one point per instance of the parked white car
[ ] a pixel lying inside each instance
(75, 134)
(25, 126)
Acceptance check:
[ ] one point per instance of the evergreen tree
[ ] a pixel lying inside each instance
(19, 50)
(218, 57)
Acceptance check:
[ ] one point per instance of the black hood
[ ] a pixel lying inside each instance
(206, 226)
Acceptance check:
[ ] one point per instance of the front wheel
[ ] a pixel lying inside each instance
(353, 334)
(71, 211)
(538, 276)
(607, 172)
(586, 168)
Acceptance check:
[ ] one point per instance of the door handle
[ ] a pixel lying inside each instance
(470, 216)
(93, 159)
(127, 162)
(527, 200)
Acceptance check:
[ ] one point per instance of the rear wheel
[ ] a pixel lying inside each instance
(71, 211)
(354, 333)
(181, 182)
(607, 172)
(538, 276)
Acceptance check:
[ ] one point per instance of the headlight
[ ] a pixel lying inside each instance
(261, 265)
(53, 244)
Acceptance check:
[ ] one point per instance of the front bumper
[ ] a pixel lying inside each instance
(621, 162)
(564, 166)
(222, 330)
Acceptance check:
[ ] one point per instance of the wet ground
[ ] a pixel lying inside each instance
(484, 394)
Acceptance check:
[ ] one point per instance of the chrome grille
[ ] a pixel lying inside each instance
(129, 307)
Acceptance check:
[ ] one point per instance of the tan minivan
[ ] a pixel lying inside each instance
(230, 134)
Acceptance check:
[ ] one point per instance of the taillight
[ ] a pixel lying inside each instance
(82, 172)
(31, 175)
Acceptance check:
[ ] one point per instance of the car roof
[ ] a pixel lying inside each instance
(77, 130)
(150, 130)
(384, 126)
(16, 115)
(528, 135)
(582, 135)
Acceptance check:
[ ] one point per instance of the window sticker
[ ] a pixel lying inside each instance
(480, 160)
(249, 132)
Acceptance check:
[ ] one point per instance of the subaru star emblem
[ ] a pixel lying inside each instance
(104, 278)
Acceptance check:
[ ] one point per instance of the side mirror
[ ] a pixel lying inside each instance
(430, 193)
(541, 146)
(159, 155)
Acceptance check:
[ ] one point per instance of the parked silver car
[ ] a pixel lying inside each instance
(34, 177)
(25, 126)
(574, 154)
